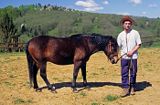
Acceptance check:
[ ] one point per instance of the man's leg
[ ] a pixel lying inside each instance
(133, 74)
(125, 76)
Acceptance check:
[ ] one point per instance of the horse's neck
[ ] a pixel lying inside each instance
(96, 44)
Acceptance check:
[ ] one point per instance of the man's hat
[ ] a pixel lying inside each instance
(127, 18)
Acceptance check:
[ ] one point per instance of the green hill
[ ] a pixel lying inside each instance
(60, 21)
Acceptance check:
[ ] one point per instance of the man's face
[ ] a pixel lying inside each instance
(127, 25)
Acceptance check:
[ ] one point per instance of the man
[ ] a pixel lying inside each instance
(129, 42)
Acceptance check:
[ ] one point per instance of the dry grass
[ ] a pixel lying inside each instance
(104, 79)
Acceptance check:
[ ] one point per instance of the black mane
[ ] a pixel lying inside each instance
(100, 40)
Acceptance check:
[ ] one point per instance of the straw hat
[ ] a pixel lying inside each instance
(127, 18)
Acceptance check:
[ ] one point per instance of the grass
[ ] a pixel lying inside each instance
(110, 98)
(12, 76)
(9, 84)
(95, 103)
(102, 68)
(22, 101)
(94, 74)
(155, 45)
(12, 54)
(83, 94)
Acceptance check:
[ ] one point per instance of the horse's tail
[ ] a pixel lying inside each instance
(30, 62)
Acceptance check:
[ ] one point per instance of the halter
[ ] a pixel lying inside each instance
(110, 50)
(110, 46)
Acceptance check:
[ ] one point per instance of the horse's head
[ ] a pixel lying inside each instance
(111, 50)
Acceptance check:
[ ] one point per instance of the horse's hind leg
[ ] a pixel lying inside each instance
(83, 69)
(44, 77)
(35, 71)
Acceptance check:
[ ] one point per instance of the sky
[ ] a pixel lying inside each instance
(146, 8)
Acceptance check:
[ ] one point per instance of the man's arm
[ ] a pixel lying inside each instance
(130, 53)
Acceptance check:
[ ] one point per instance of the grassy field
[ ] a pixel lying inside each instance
(103, 77)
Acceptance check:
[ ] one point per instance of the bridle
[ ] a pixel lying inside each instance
(110, 46)
(110, 56)
(130, 65)
(110, 50)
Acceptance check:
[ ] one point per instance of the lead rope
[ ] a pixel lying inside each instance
(121, 57)
(130, 64)
(127, 50)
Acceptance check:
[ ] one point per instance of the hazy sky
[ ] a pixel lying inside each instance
(148, 8)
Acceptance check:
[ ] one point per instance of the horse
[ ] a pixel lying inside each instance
(75, 49)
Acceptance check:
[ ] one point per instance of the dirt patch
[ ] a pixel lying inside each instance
(104, 79)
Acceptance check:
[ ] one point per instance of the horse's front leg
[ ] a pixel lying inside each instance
(83, 69)
(44, 77)
(75, 74)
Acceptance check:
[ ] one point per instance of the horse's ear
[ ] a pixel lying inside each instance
(109, 39)
(113, 39)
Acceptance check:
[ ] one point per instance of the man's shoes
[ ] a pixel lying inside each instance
(125, 92)
(132, 92)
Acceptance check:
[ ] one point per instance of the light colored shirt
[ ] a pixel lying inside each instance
(127, 41)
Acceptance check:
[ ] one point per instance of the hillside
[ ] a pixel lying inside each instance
(60, 21)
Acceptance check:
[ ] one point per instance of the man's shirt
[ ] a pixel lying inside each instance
(127, 41)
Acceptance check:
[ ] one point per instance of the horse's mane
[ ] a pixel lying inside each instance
(97, 39)
(91, 35)
(94, 38)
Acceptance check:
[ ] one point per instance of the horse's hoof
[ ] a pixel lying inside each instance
(75, 90)
(53, 91)
(38, 90)
(88, 87)
(52, 88)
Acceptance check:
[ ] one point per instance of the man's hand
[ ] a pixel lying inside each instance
(130, 53)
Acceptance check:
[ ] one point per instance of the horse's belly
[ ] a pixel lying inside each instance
(64, 61)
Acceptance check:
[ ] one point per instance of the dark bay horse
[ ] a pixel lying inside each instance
(75, 49)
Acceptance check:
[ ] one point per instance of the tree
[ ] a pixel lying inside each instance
(8, 30)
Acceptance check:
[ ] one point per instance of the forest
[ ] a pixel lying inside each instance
(19, 24)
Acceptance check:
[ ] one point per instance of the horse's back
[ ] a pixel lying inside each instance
(39, 43)
(56, 50)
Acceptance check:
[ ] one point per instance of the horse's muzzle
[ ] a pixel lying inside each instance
(114, 60)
